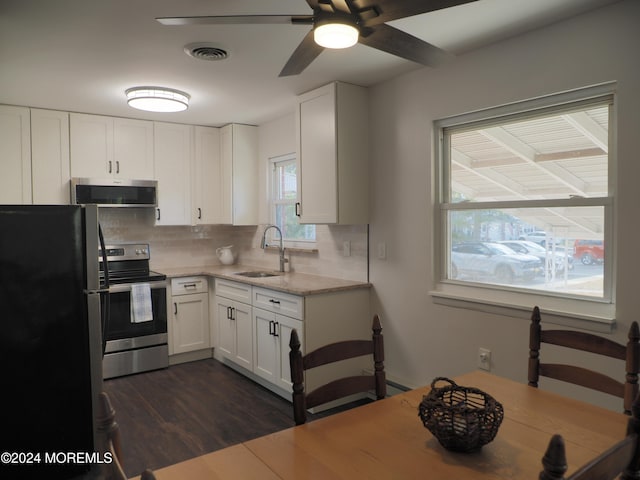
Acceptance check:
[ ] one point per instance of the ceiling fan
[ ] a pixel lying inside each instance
(360, 21)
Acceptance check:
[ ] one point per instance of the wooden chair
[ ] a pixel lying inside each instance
(621, 459)
(341, 387)
(630, 353)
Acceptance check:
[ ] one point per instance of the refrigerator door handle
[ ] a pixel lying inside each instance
(99, 290)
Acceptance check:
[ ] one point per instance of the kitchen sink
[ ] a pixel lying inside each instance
(258, 274)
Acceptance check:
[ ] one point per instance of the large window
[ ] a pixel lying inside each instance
(525, 198)
(284, 194)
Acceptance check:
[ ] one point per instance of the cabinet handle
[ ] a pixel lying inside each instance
(228, 313)
(110, 166)
(117, 166)
(187, 286)
(175, 308)
(158, 214)
(271, 322)
(297, 209)
(277, 302)
(275, 329)
(199, 213)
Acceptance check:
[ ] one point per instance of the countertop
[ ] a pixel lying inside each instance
(289, 282)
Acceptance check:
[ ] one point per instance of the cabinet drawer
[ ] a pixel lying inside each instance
(233, 290)
(189, 285)
(278, 302)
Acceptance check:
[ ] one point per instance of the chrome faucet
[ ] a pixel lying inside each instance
(263, 244)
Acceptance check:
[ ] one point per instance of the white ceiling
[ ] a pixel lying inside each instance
(81, 55)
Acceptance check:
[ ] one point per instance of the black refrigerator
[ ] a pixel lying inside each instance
(50, 341)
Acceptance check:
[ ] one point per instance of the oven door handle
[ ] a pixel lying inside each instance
(126, 287)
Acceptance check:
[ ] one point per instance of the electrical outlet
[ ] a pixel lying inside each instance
(346, 248)
(484, 359)
(382, 251)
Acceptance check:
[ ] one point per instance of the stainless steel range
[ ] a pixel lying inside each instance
(135, 330)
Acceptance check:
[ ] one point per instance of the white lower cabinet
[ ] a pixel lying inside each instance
(235, 325)
(254, 328)
(190, 315)
(271, 349)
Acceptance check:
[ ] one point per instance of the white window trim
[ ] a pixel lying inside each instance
(585, 313)
(289, 243)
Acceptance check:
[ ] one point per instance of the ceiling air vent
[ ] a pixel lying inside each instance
(205, 51)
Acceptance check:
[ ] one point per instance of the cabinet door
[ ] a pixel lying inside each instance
(91, 145)
(317, 162)
(190, 322)
(239, 150)
(284, 325)
(50, 157)
(333, 155)
(172, 147)
(235, 332)
(244, 335)
(208, 176)
(271, 349)
(226, 328)
(133, 149)
(266, 347)
(15, 155)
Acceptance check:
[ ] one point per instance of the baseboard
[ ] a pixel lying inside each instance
(394, 385)
(190, 356)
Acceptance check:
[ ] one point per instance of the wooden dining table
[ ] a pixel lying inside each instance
(387, 440)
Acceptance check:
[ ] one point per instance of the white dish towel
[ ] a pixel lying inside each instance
(141, 308)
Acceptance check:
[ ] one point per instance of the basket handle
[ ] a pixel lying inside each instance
(444, 379)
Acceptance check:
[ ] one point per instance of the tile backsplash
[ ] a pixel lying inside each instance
(192, 246)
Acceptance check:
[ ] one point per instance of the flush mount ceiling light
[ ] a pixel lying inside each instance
(157, 99)
(336, 31)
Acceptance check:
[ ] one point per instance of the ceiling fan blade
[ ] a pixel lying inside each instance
(237, 19)
(389, 10)
(391, 40)
(301, 58)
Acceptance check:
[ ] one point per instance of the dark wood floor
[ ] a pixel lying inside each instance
(171, 415)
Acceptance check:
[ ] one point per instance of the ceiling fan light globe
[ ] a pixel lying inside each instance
(335, 35)
(156, 99)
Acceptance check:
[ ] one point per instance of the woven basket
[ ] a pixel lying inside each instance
(463, 419)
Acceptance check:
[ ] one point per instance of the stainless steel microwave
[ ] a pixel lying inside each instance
(114, 192)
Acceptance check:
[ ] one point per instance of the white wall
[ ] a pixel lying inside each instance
(422, 339)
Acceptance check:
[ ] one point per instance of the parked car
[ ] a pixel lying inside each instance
(589, 252)
(552, 259)
(494, 261)
(542, 239)
(538, 237)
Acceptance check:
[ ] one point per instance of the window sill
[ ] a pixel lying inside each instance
(583, 314)
(293, 249)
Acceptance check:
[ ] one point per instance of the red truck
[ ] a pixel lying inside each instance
(589, 252)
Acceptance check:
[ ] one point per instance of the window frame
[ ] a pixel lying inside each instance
(596, 314)
(288, 158)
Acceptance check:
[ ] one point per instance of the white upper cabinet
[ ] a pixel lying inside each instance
(15, 155)
(133, 149)
(50, 156)
(173, 158)
(104, 147)
(208, 172)
(333, 155)
(239, 175)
